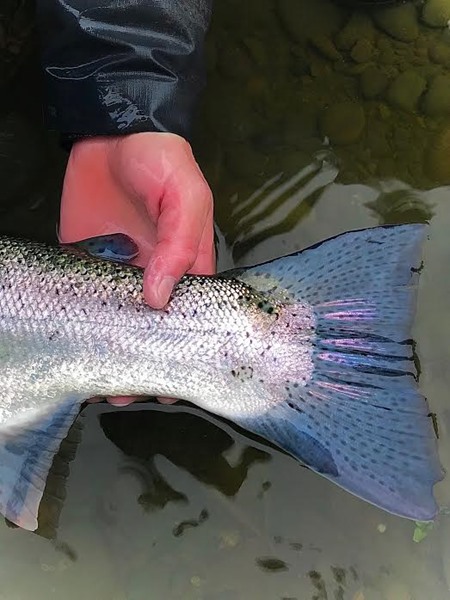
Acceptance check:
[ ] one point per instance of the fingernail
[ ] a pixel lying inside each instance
(122, 400)
(164, 290)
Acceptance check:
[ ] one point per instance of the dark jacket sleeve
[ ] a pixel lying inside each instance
(122, 66)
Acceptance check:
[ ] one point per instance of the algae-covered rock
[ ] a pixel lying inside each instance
(306, 19)
(326, 47)
(363, 51)
(400, 22)
(438, 158)
(440, 53)
(343, 123)
(437, 99)
(406, 89)
(386, 52)
(373, 82)
(359, 27)
(436, 13)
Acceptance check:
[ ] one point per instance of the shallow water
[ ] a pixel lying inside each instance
(166, 502)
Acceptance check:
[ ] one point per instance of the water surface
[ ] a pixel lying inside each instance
(167, 502)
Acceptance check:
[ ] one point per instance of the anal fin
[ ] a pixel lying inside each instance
(27, 454)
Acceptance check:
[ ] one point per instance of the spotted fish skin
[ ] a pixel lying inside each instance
(309, 351)
(77, 325)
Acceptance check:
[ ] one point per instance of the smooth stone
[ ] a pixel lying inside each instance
(400, 22)
(437, 99)
(438, 163)
(373, 82)
(343, 123)
(436, 13)
(440, 53)
(386, 54)
(359, 27)
(363, 51)
(306, 19)
(406, 90)
(325, 46)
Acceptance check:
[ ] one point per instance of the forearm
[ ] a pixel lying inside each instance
(122, 68)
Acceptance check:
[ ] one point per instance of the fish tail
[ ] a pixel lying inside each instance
(358, 418)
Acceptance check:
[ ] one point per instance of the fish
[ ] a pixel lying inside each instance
(311, 352)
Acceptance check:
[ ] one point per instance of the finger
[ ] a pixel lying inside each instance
(163, 400)
(185, 208)
(122, 400)
(93, 203)
(205, 263)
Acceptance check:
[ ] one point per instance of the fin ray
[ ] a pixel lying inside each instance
(26, 457)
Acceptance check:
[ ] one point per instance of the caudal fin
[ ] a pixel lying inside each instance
(359, 418)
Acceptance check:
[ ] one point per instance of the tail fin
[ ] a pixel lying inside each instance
(359, 420)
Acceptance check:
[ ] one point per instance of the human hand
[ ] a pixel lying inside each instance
(148, 186)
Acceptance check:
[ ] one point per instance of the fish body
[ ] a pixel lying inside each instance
(311, 351)
(73, 326)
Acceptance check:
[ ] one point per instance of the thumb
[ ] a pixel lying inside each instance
(185, 215)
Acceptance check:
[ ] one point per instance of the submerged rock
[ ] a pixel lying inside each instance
(406, 90)
(440, 53)
(400, 22)
(359, 27)
(363, 51)
(436, 13)
(306, 19)
(326, 47)
(437, 99)
(438, 162)
(373, 82)
(343, 123)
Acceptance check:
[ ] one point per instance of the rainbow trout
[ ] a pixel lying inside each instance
(311, 352)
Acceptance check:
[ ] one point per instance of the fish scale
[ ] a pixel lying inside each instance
(311, 351)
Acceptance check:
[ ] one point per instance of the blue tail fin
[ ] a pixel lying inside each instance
(359, 419)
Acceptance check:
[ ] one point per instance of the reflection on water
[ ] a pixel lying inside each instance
(192, 444)
(318, 119)
(402, 206)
